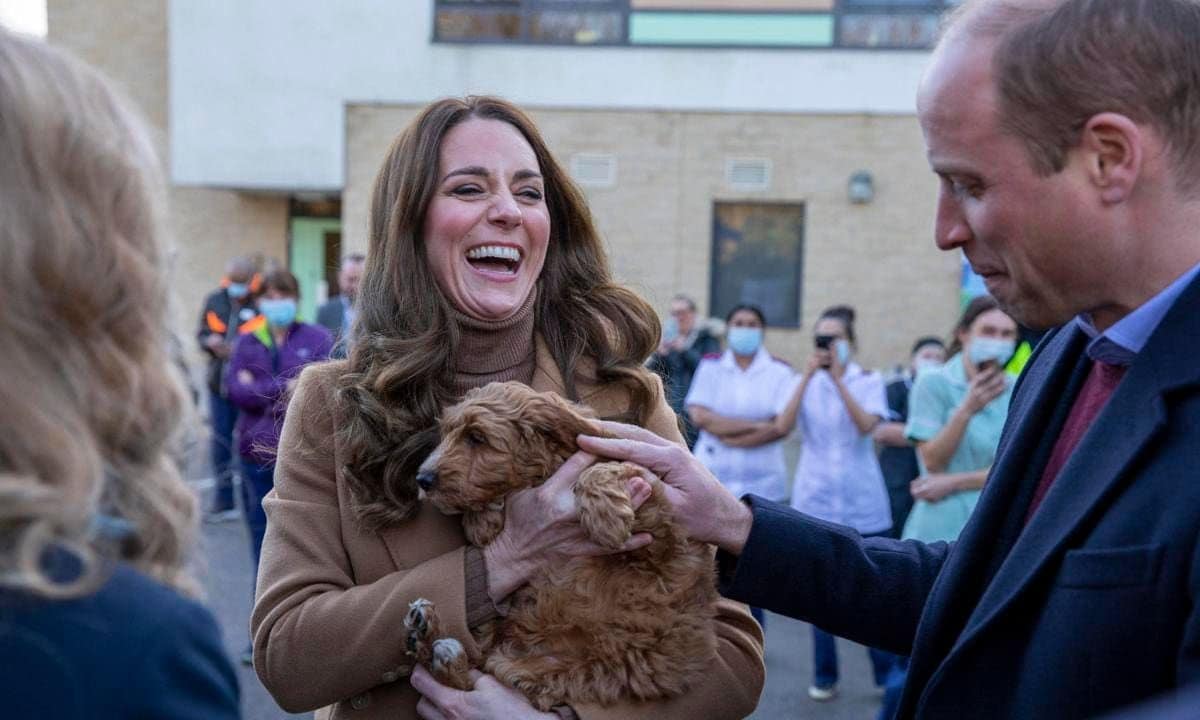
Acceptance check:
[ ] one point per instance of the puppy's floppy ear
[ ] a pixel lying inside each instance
(556, 419)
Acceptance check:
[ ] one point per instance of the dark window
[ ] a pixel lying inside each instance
(882, 24)
(758, 257)
(911, 30)
(577, 28)
(488, 24)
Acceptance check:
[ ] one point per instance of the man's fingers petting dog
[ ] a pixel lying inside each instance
(639, 491)
(654, 456)
(632, 432)
(635, 542)
(707, 511)
(564, 478)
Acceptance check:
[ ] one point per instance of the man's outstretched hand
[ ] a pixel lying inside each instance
(705, 509)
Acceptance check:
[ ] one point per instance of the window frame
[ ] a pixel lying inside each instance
(526, 9)
(714, 300)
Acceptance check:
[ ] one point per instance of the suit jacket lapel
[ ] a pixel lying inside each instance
(1099, 466)
(990, 533)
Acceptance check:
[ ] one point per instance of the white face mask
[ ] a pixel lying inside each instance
(923, 364)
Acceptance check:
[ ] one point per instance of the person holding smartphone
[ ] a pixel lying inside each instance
(955, 416)
(836, 406)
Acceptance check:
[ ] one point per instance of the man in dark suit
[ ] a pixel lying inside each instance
(1066, 135)
(337, 314)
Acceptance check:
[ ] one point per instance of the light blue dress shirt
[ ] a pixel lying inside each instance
(1119, 344)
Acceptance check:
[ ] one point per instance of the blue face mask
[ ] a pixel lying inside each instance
(279, 313)
(237, 291)
(670, 329)
(745, 340)
(984, 349)
(842, 348)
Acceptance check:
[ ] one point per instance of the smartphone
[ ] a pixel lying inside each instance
(987, 365)
(825, 342)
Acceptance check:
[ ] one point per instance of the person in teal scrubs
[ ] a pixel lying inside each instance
(955, 416)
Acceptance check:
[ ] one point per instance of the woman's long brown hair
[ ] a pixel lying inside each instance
(402, 364)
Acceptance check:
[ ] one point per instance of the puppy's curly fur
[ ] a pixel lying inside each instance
(627, 626)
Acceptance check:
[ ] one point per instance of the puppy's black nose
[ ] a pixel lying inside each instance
(426, 479)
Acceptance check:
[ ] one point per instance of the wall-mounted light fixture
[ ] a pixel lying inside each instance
(861, 188)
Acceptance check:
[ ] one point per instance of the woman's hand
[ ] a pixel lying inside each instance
(707, 511)
(985, 387)
(816, 361)
(541, 528)
(490, 700)
(933, 487)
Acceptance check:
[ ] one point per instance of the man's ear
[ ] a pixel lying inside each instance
(1114, 151)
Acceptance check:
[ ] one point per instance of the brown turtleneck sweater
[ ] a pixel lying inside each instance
(495, 350)
(491, 351)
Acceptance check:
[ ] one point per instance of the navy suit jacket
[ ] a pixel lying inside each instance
(332, 315)
(1092, 606)
(133, 650)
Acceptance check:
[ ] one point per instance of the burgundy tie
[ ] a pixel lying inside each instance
(1102, 379)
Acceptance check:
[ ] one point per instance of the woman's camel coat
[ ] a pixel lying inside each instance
(328, 623)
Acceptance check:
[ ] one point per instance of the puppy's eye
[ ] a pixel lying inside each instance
(474, 438)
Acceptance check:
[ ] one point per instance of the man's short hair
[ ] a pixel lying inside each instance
(691, 304)
(240, 265)
(1058, 64)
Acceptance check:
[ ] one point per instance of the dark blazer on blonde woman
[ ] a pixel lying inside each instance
(1091, 606)
(328, 623)
(133, 650)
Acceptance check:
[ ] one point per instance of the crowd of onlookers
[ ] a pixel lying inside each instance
(903, 457)
(1067, 175)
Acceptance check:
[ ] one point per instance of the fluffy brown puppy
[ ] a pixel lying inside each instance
(635, 625)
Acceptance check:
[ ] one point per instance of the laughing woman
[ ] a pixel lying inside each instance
(483, 266)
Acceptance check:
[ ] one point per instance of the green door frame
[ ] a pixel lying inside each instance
(306, 259)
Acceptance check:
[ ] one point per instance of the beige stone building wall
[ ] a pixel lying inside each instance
(657, 218)
(127, 40)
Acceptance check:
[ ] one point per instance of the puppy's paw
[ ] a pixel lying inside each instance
(605, 510)
(421, 622)
(420, 614)
(450, 665)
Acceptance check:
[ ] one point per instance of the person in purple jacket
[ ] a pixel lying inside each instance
(264, 366)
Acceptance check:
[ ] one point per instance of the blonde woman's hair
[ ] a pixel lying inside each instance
(89, 400)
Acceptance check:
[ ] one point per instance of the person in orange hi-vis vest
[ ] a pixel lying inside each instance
(228, 312)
